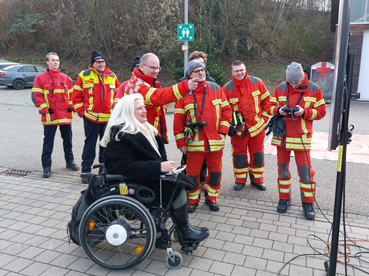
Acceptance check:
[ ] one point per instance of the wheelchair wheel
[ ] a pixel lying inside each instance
(178, 260)
(117, 232)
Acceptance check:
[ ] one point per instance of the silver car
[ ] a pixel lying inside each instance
(21, 75)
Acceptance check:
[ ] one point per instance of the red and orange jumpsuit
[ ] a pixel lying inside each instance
(298, 135)
(208, 141)
(250, 97)
(155, 98)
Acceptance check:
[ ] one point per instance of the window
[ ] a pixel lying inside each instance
(359, 11)
(27, 69)
(41, 69)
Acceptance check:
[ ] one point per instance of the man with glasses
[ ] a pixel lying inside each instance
(249, 99)
(93, 96)
(143, 81)
(201, 122)
(200, 56)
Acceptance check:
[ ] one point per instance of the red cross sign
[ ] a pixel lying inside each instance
(324, 69)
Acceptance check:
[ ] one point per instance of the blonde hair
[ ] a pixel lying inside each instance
(124, 114)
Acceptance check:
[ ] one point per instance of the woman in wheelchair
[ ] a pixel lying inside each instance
(135, 150)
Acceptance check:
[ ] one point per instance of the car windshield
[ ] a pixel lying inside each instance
(9, 67)
(2, 66)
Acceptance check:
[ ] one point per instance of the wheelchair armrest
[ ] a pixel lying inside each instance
(115, 177)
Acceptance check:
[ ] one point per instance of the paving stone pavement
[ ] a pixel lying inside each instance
(247, 237)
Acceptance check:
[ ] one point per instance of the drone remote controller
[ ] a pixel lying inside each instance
(290, 109)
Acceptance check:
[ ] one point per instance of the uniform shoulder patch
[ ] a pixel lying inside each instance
(313, 87)
(213, 86)
(253, 79)
(282, 86)
(87, 72)
(230, 85)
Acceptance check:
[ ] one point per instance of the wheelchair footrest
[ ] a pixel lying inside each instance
(188, 248)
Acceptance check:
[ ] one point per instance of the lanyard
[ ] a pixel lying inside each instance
(203, 101)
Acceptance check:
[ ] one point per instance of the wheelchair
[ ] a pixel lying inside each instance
(120, 229)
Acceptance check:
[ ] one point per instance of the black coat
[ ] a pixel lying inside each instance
(134, 157)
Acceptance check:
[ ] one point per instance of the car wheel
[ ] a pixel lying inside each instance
(18, 84)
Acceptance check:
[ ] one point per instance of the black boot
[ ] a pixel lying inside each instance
(190, 233)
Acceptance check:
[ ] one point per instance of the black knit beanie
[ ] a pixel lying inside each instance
(96, 55)
(135, 63)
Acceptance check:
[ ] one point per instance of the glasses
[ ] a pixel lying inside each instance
(199, 71)
(100, 62)
(153, 68)
(239, 71)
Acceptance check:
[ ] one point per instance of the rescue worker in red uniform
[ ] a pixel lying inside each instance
(249, 99)
(93, 98)
(297, 92)
(201, 122)
(144, 82)
(51, 94)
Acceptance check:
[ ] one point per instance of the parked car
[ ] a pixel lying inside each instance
(6, 64)
(20, 76)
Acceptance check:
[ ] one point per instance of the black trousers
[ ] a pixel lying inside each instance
(48, 146)
(92, 132)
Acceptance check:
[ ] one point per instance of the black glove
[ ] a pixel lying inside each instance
(278, 128)
(69, 109)
(276, 124)
(232, 131)
(51, 111)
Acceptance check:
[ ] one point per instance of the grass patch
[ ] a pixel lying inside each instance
(271, 74)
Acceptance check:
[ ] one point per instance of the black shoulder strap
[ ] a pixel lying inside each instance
(203, 101)
(298, 101)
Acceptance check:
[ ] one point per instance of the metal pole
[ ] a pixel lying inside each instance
(186, 42)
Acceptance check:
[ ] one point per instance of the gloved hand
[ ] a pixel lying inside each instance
(276, 124)
(51, 111)
(278, 128)
(70, 109)
(232, 131)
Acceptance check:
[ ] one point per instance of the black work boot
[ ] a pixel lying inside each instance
(47, 172)
(72, 166)
(283, 205)
(190, 233)
(238, 186)
(309, 210)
